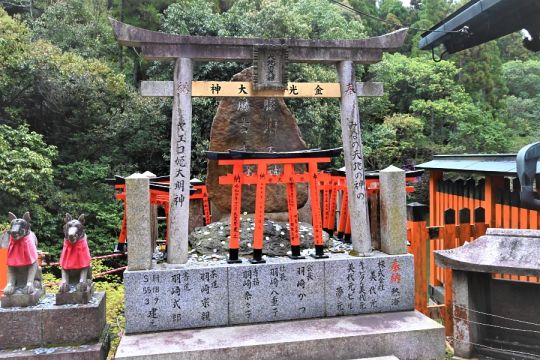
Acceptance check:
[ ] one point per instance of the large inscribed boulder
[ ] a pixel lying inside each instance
(252, 124)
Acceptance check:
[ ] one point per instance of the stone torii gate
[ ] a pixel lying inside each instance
(184, 50)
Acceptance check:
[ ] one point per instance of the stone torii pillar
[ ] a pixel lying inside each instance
(180, 170)
(351, 134)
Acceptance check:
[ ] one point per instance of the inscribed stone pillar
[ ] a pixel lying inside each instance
(354, 159)
(153, 217)
(393, 211)
(138, 222)
(177, 248)
(462, 327)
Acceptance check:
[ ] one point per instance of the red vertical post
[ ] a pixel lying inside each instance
(434, 205)
(292, 206)
(325, 183)
(416, 218)
(470, 194)
(260, 199)
(343, 214)
(533, 219)
(166, 209)
(347, 236)
(333, 205)
(122, 238)
(3, 269)
(449, 238)
(489, 201)
(445, 187)
(439, 203)
(236, 203)
(506, 201)
(206, 205)
(315, 209)
(459, 191)
(480, 225)
(464, 226)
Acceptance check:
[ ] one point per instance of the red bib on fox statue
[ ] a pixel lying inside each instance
(22, 252)
(75, 256)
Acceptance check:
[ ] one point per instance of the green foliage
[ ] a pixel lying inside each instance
(398, 138)
(522, 78)
(522, 105)
(191, 17)
(304, 19)
(408, 79)
(481, 73)
(79, 26)
(26, 173)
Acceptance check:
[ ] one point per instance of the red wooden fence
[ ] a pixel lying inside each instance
(424, 240)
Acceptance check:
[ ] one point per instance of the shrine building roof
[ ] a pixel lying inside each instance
(501, 164)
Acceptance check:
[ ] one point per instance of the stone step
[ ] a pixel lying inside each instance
(406, 335)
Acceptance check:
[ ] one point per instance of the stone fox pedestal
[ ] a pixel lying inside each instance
(55, 332)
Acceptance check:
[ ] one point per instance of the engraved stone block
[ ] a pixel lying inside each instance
(165, 299)
(281, 289)
(380, 283)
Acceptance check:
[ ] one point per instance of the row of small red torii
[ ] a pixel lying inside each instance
(159, 196)
(330, 184)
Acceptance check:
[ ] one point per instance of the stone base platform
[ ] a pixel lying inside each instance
(97, 351)
(406, 335)
(190, 296)
(47, 324)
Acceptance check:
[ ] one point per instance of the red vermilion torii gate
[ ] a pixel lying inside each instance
(262, 177)
(184, 50)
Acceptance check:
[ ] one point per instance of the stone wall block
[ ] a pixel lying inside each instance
(393, 199)
(139, 225)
